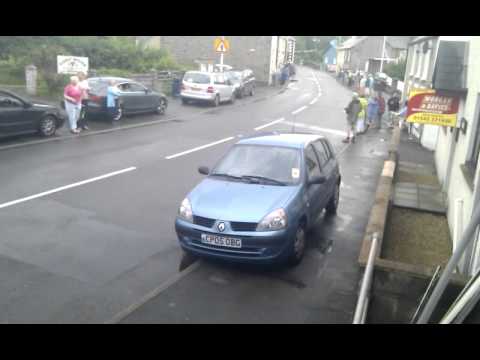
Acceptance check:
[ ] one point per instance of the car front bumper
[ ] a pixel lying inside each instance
(262, 247)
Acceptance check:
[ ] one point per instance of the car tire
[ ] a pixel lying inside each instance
(216, 102)
(48, 126)
(240, 93)
(162, 106)
(299, 245)
(184, 101)
(233, 98)
(252, 91)
(332, 205)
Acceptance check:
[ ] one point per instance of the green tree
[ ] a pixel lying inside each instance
(396, 70)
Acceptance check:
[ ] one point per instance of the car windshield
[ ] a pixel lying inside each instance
(197, 78)
(280, 164)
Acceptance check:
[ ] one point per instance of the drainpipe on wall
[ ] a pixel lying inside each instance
(458, 229)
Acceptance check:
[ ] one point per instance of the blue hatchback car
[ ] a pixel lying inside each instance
(257, 203)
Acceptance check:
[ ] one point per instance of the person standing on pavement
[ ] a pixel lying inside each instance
(83, 85)
(73, 103)
(352, 111)
(393, 107)
(112, 101)
(362, 116)
(372, 112)
(363, 82)
(381, 109)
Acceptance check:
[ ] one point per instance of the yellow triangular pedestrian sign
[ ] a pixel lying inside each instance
(221, 45)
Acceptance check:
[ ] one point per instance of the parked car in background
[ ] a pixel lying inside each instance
(243, 82)
(21, 116)
(214, 88)
(258, 202)
(134, 98)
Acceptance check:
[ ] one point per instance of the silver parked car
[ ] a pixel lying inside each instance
(214, 88)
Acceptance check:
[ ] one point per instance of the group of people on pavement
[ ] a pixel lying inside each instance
(361, 82)
(364, 114)
(76, 95)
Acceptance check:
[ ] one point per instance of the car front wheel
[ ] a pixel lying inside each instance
(298, 247)
(216, 102)
(48, 126)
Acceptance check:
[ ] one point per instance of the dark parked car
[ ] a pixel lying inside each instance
(134, 97)
(21, 116)
(243, 81)
(258, 202)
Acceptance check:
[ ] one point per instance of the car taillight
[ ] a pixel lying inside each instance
(95, 99)
(210, 90)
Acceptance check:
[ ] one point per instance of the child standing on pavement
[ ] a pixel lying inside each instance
(112, 99)
(372, 112)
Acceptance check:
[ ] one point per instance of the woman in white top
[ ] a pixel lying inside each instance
(83, 85)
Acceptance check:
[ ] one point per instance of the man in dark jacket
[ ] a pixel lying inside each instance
(352, 110)
(393, 107)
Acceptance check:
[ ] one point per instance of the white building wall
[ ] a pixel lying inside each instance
(458, 187)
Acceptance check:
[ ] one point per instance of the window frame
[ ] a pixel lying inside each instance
(307, 169)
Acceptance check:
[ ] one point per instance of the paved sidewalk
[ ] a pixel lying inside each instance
(416, 185)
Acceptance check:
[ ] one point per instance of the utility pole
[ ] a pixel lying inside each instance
(383, 53)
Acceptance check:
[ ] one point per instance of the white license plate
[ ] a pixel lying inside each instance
(221, 241)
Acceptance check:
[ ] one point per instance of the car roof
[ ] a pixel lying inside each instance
(292, 140)
(108, 78)
(200, 72)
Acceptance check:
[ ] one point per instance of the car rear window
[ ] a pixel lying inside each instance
(197, 78)
(98, 87)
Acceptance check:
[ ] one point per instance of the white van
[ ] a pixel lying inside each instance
(204, 86)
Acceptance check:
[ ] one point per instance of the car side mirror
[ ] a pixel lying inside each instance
(27, 105)
(317, 180)
(204, 170)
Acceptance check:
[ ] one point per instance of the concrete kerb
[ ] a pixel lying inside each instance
(125, 127)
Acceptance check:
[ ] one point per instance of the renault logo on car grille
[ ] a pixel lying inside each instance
(221, 226)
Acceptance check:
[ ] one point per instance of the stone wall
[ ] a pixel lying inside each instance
(187, 49)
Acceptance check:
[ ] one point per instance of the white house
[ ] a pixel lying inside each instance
(452, 64)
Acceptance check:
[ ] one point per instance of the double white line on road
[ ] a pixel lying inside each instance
(199, 148)
(66, 187)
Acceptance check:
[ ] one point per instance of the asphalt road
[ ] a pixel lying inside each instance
(87, 222)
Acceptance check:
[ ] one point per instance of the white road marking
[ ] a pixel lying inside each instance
(299, 110)
(313, 101)
(66, 187)
(199, 148)
(269, 124)
(316, 128)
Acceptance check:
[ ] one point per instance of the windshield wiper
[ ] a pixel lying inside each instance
(227, 176)
(263, 178)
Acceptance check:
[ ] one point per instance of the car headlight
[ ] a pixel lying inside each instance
(276, 220)
(185, 211)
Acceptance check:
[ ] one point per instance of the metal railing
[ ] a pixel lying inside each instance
(364, 296)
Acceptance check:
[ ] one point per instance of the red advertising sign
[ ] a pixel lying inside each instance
(426, 106)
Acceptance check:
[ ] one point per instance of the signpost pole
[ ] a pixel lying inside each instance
(221, 57)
